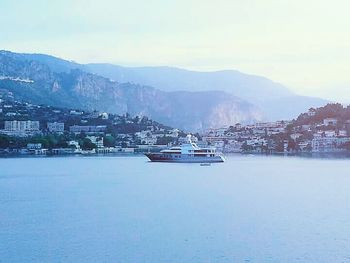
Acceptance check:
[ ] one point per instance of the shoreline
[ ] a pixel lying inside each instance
(311, 155)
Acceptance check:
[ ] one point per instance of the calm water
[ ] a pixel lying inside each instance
(125, 209)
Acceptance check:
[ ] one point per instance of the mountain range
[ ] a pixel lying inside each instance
(189, 100)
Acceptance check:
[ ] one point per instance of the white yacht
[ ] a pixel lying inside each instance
(187, 153)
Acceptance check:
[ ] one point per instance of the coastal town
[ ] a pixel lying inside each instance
(27, 129)
(325, 129)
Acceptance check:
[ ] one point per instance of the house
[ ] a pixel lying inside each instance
(233, 147)
(217, 132)
(143, 134)
(311, 112)
(277, 124)
(174, 133)
(238, 126)
(342, 133)
(306, 127)
(275, 130)
(149, 140)
(193, 139)
(36, 148)
(318, 134)
(295, 136)
(304, 145)
(330, 133)
(219, 145)
(74, 146)
(257, 141)
(330, 121)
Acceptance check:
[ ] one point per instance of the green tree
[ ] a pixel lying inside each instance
(4, 141)
(108, 141)
(292, 146)
(86, 144)
(246, 148)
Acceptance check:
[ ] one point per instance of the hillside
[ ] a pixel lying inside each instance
(316, 116)
(44, 81)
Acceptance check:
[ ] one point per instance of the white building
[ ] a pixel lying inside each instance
(98, 141)
(330, 121)
(257, 142)
(149, 140)
(306, 127)
(185, 139)
(219, 132)
(22, 126)
(88, 129)
(233, 146)
(104, 116)
(311, 112)
(75, 112)
(275, 130)
(295, 136)
(74, 143)
(330, 133)
(219, 145)
(76, 147)
(34, 146)
(303, 145)
(277, 124)
(327, 144)
(174, 133)
(55, 127)
(143, 134)
(238, 126)
(342, 133)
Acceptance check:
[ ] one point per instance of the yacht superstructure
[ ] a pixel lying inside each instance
(187, 153)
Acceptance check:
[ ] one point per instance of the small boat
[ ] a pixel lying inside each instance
(187, 153)
(205, 164)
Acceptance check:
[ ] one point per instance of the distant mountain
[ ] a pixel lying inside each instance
(248, 87)
(266, 99)
(274, 100)
(48, 80)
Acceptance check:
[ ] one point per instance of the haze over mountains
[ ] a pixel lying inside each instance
(274, 100)
(181, 98)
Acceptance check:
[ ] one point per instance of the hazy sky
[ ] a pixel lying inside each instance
(304, 44)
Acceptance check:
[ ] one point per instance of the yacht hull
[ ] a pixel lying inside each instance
(184, 158)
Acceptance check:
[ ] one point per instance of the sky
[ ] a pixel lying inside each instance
(304, 45)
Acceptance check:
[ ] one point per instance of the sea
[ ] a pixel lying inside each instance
(252, 208)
